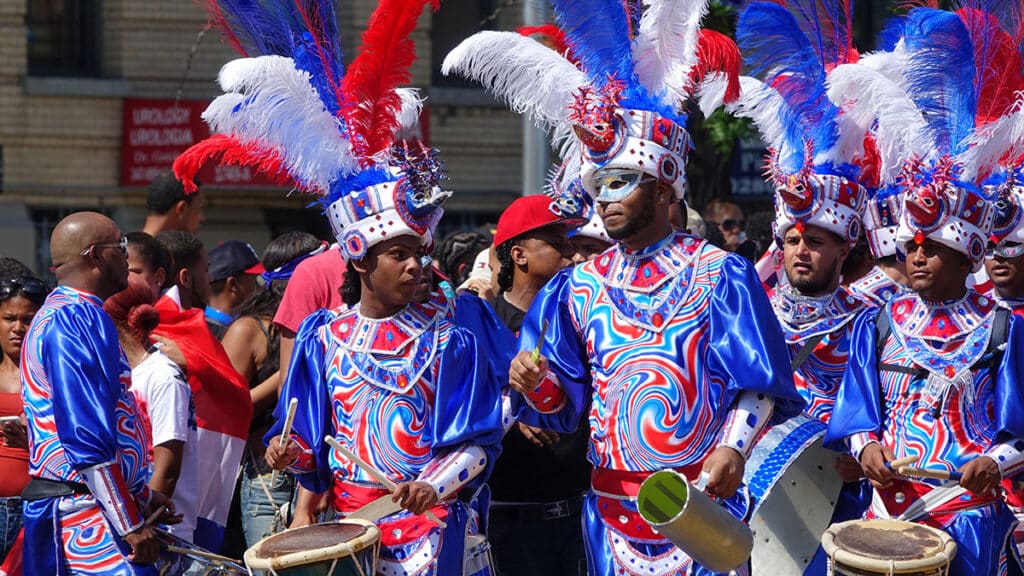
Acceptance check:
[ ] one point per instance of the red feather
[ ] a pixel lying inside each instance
(226, 150)
(551, 36)
(999, 64)
(870, 163)
(382, 65)
(220, 22)
(716, 52)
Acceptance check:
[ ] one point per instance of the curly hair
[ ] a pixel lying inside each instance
(458, 249)
(506, 267)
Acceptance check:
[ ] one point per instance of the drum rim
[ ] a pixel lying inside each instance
(845, 558)
(347, 548)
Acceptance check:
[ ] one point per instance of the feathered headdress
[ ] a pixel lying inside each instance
(622, 100)
(814, 163)
(292, 111)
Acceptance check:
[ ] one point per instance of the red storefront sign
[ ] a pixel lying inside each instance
(155, 132)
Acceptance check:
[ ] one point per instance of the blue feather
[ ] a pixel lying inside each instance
(891, 34)
(776, 50)
(942, 73)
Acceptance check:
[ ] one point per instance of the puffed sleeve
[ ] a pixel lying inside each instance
(497, 342)
(746, 348)
(858, 409)
(306, 380)
(82, 356)
(467, 401)
(569, 381)
(1009, 388)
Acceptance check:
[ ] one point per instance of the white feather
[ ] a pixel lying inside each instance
(711, 93)
(409, 115)
(764, 105)
(273, 104)
(871, 101)
(890, 64)
(528, 76)
(665, 49)
(1003, 138)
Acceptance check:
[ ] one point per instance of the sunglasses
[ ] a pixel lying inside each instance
(30, 287)
(615, 185)
(1004, 251)
(122, 244)
(731, 224)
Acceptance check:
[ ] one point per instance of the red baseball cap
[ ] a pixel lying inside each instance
(530, 213)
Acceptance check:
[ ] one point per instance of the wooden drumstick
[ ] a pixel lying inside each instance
(376, 474)
(200, 553)
(535, 355)
(897, 463)
(286, 432)
(928, 473)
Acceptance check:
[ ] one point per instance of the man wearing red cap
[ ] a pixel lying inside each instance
(539, 479)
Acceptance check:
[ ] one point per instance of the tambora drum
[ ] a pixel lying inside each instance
(343, 548)
(478, 557)
(178, 556)
(885, 547)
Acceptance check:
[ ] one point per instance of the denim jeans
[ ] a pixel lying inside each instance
(257, 511)
(10, 523)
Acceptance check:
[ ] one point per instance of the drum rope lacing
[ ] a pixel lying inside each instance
(831, 561)
(279, 514)
(350, 552)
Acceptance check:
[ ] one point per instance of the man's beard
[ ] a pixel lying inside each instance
(814, 285)
(634, 225)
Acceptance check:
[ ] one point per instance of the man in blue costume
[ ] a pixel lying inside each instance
(88, 456)
(671, 342)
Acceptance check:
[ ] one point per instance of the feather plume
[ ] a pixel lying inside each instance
(598, 33)
(829, 26)
(409, 115)
(998, 63)
(941, 57)
(998, 143)
(665, 49)
(717, 54)
(766, 107)
(551, 36)
(230, 151)
(870, 101)
(891, 64)
(382, 65)
(274, 104)
(711, 93)
(528, 76)
(303, 30)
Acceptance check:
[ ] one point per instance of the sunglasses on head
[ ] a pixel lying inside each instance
(1004, 251)
(122, 244)
(30, 287)
(616, 184)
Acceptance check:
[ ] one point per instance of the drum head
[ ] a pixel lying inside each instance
(888, 546)
(794, 487)
(310, 544)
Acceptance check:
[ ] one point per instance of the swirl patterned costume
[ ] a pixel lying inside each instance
(660, 344)
(414, 396)
(85, 432)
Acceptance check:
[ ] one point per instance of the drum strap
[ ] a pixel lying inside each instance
(279, 512)
(806, 351)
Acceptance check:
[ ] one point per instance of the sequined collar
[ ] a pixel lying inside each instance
(390, 335)
(648, 288)
(940, 322)
(804, 317)
(877, 288)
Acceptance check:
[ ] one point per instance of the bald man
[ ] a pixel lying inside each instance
(86, 505)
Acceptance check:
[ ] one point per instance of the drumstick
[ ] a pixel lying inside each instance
(153, 517)
(927, 473)
(192, 552)
(289, 418)
(895, 464)
(377, 474)
(535, 355)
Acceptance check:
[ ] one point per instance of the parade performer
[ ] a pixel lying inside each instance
(1004, 259)
(933, 374)
(394, 381)
(87, 500)
(663, 335)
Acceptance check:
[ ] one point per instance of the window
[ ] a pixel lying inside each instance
(453, 23)
(63, 37)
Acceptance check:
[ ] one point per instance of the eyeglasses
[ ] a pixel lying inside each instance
(122, 244)
(1004, 251)
(730, 224)
(30, 287)
(615, 185)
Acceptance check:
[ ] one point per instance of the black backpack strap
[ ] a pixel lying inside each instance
(882, 330)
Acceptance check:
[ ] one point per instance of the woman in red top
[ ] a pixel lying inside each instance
(20, 298)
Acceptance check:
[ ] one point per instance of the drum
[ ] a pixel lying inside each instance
(884, 547)
(180, 557)
(478, 557)
(343, 548)
(793, 487)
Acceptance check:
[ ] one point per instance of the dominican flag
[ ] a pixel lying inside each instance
(223, 413)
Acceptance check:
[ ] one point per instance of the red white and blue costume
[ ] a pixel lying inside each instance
(934, 388)
(85, 429)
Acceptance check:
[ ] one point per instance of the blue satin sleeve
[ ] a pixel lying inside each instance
(858, 404)
(746, 347)
(467, 401)
(307, 381)
(1009, 388)
(496, 341)
(82, 357)
(565, 351)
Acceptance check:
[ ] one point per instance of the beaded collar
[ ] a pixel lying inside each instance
(391, 352)
(648, 287)
(877, 288)
(944, 338)
(804, 317)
